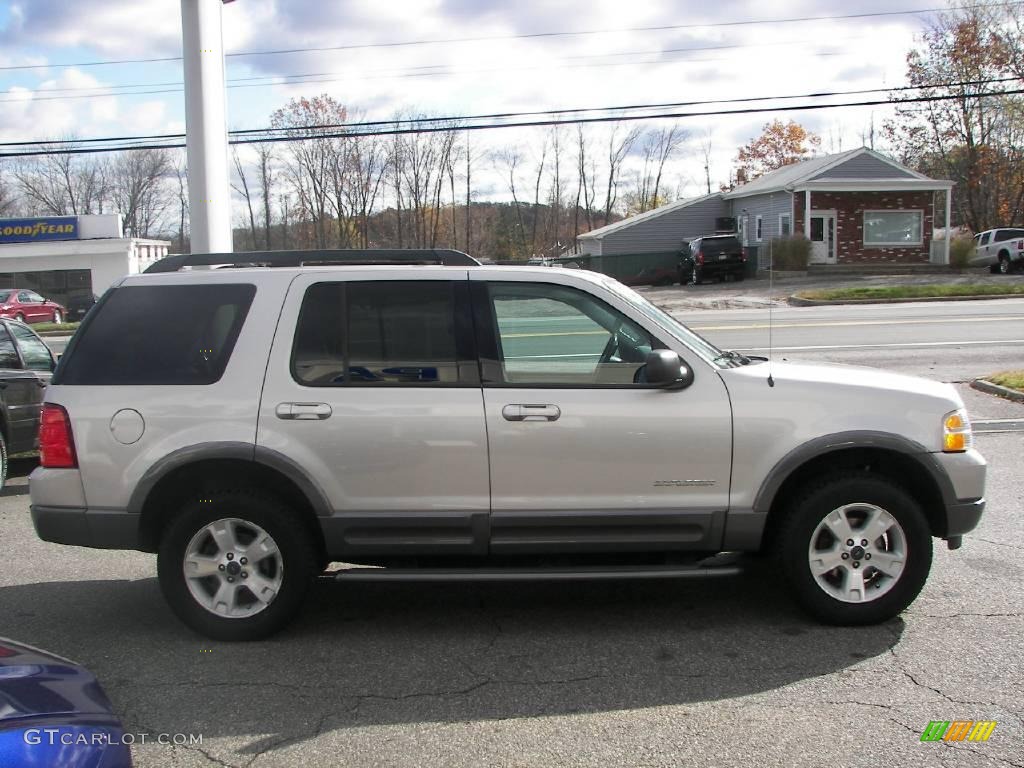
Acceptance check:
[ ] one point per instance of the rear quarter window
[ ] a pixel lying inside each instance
(158, 334)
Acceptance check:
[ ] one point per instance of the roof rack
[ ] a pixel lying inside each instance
(351, 257)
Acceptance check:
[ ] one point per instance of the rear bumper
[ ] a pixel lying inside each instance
(106, 529)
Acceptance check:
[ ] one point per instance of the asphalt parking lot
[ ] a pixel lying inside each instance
(674, 673)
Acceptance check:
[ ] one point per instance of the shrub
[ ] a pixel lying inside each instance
(961, 249)
(791, 252)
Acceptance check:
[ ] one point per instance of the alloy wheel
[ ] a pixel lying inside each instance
(857, 553)
(233, 568)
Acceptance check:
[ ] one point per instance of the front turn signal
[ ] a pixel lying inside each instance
(956, 432)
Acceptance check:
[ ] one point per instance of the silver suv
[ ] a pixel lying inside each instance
(252, 425)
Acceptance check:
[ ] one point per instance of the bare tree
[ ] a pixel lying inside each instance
(536, 196)
(242, 188)
(705, 149)
(62, 184)
(137, 183)
(266, 176)
(181, 177)
(368, 164)
(8, 200)
(510, 158)
(312, 165)
(553, 232)
(620, 143)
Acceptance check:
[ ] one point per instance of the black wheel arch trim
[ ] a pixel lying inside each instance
(825, 444)
(229, 450)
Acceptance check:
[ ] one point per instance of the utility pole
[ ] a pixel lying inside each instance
(206, 134)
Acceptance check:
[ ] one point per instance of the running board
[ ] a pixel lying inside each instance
(534, 574)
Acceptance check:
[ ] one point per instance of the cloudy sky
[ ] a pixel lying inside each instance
(454, 57)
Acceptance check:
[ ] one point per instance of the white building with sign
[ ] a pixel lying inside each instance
(70, 257)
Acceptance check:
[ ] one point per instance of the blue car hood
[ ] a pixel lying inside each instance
(35, 684)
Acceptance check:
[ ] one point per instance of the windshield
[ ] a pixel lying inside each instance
(5, 296)
(697, 343)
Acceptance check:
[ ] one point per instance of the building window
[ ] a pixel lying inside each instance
(893, 228)
(758, 228)
(785, 225)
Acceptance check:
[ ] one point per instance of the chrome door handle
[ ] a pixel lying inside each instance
(530, 412)
(303, 411)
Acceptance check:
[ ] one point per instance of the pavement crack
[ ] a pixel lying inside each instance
(989, 541)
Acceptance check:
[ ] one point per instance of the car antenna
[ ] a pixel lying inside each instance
(771, 301)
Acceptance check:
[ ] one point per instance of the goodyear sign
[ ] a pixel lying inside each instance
(38, 230)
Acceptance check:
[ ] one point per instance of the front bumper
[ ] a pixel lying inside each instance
(107, 529)
(963, 490)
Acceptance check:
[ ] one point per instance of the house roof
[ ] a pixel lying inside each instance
(816, 169)
(629, 221)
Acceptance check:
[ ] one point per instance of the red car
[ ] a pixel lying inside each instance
(29, 307)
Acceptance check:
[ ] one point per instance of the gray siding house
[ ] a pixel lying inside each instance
(855, 207)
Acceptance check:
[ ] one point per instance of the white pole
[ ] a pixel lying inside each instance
(949, 227)
(807, 214)
(206, 135)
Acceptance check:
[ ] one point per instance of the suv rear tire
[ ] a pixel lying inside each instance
(251, 563)
(835, 580)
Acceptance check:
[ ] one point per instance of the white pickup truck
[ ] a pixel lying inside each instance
(1001, 250)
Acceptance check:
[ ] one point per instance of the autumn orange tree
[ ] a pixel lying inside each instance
(973, 133)
(779, 144)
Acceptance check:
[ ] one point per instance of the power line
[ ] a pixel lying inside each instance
(447, 120)
(527, 36)
(528, 124)
(329, 77)
(414, 70)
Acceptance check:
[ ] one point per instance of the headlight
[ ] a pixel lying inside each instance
(956, 432)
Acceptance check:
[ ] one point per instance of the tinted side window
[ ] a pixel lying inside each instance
(8, 354)
(160, 334)
(377, 333)
(984, 238)
(35, 353)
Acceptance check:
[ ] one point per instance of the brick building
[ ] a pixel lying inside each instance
(856, 207)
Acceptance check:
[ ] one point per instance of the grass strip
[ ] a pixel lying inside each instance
(911, 291)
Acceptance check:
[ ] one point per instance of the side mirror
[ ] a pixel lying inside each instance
(666, 369)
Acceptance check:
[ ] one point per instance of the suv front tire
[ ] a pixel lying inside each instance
(856, 549)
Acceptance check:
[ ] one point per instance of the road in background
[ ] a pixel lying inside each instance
(949, 340)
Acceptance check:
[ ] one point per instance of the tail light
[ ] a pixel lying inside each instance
(700, 257)
(56, 443)
(1020, 245)
(743, 254)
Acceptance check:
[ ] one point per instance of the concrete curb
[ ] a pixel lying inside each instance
(57, 333)
(983, 385)
(797, 301)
